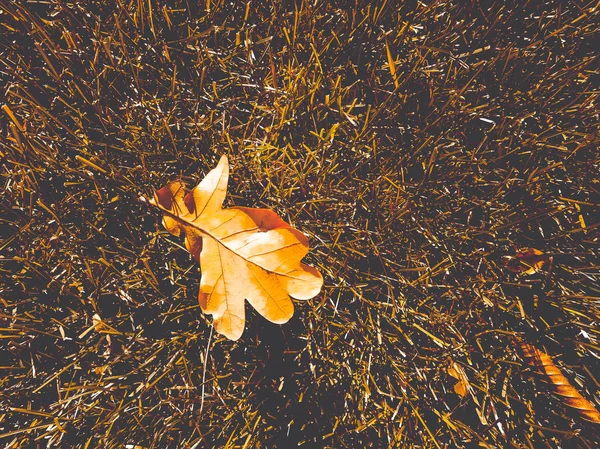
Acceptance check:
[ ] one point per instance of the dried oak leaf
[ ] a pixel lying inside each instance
(544, 366)
(527, 261)
(244, 253)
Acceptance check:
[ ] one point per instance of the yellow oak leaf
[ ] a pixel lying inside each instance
(244, 253)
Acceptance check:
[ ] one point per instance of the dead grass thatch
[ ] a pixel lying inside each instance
(417, 143)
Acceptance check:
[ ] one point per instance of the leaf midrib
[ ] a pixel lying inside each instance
(207, 233)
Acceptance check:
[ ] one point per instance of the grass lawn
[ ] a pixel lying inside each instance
(421, 147)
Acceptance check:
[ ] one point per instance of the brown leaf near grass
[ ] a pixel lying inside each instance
(527, 261)
(244, 253)
(544, 366)
(462, 385)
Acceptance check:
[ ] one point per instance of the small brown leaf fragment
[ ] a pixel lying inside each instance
(244, 253)
(102, 369)
(527, 261)
(544, 366)
(462, 386)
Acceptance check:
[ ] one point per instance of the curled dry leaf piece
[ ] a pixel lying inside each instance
(568, 395)
(244, 253)
(527, 261)
(462, 385)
